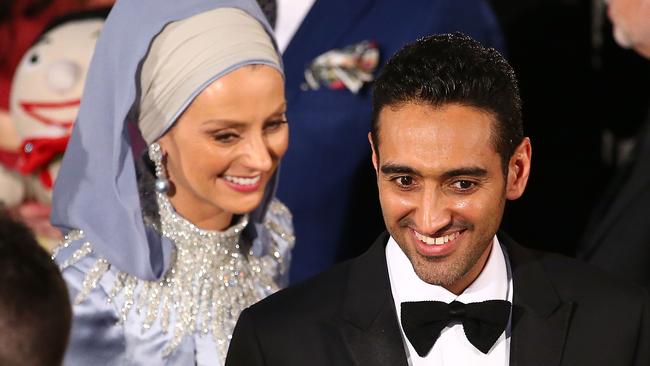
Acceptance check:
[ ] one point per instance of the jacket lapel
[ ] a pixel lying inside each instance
(368, 327)
(540, 319)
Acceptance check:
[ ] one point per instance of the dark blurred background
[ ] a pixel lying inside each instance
(584, 99)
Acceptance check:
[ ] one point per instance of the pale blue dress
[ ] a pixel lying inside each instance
(185, 318)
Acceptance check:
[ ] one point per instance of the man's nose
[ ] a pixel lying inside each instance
(433, 213)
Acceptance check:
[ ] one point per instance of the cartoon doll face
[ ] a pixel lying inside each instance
(49, 80)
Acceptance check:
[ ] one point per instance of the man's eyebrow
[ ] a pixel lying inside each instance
(473, 171)
(398, 169)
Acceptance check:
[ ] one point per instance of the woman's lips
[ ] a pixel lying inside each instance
(243, 184)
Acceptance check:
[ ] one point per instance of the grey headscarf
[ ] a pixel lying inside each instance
(96, 189)
(189, 54)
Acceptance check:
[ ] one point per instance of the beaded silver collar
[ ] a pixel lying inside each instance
(209, 282)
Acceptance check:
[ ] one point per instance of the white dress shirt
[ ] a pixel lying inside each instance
(452, 347)
(291, 13)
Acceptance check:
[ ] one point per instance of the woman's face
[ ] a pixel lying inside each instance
(226, 145)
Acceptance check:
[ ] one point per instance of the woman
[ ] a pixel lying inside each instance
(165, 248)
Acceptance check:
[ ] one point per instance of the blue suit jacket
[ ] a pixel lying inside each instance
(326, 178)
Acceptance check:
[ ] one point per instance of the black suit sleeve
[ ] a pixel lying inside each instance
(643, 343)
(244, 347)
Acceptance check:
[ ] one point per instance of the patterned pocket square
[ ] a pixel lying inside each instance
(349, 67)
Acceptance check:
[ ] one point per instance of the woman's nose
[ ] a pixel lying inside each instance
(258, 155)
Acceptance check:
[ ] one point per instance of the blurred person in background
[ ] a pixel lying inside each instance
(35, 312)
(618, 235)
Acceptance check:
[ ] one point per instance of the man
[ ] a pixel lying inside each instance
(441, 287)
(35, 312)
(618, 236)
(320, 43)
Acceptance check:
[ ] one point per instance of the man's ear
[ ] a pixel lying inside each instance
(519, 170)
(374, 153)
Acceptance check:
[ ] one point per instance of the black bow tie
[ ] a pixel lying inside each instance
(483, 322)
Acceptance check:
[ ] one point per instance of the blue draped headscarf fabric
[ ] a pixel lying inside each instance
(96, 189)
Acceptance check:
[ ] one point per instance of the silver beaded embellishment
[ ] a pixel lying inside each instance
(209, 282)
(72, 236)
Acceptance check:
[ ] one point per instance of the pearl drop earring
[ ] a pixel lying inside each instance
(162, 184)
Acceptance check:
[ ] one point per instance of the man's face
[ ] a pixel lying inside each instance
(442, 188)
(631, 20)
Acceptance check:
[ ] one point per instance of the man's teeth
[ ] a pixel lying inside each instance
(437, 241)
(242, 181)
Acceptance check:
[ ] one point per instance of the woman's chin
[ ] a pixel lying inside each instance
(244, 206)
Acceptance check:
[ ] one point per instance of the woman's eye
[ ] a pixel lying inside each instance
(226, 137)
(274, 125)
(404, 181)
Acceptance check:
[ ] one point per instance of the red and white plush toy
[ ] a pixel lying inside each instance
(45, 95)
(44, 101)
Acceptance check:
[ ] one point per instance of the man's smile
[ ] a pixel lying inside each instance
(437, 246)
(437, 240)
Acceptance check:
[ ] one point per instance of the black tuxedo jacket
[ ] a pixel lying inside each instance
(564, 313)
(617, 238)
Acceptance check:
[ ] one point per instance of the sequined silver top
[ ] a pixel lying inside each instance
(188, 316)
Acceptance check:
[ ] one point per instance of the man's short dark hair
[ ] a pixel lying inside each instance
(35, 311)
(453, 69)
